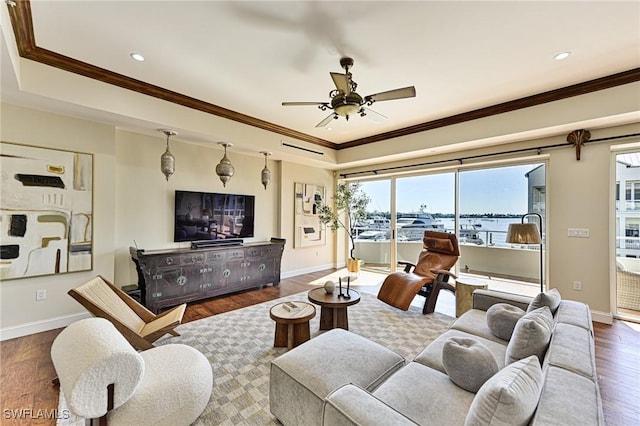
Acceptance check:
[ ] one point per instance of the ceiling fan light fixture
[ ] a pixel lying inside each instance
(347, 109)
(346, 102)
(225, 169)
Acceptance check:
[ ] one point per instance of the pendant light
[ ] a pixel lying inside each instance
(225, 169)
(266, 173)
(167, 160)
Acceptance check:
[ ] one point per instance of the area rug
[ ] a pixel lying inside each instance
(239, 345)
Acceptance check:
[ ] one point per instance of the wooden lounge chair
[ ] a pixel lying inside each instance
(137, 324)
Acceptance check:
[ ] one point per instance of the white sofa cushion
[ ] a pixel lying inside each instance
(468, 363)
(531, 336)
(510, 397)
(550, 299)
(502, 319)
(425, 395)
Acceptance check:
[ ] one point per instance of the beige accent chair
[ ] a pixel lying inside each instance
(137, 324)
(628, 288)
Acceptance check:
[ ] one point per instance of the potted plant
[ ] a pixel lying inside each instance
(350, 208)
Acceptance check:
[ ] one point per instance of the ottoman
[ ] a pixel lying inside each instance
(301, 378)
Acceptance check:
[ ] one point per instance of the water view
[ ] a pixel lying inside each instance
(487, 231)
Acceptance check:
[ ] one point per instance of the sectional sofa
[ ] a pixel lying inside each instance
(510, 360)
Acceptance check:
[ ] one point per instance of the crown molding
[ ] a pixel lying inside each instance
(22, 23)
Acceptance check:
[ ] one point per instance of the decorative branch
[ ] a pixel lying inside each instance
(351, 203)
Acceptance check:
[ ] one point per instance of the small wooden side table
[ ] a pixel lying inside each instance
(465, 287)
(292, 323)
(333, 311)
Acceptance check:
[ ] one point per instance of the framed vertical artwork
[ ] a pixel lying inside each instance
(308, 230)
(46, 211)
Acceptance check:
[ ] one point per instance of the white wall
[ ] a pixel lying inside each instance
(305, 259)
(18, 306)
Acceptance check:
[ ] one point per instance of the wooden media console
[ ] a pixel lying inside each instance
(170, 277)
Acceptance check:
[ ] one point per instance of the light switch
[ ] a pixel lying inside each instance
(578, 232)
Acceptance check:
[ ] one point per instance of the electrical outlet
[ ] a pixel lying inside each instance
(41, 294)
(577, 285)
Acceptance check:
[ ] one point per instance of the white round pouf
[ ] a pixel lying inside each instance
(174, 390)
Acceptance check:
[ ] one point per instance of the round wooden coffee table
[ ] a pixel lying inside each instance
(292, 323)
(333, 309)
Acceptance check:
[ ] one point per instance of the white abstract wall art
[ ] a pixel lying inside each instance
(46, 211)
(309, 231)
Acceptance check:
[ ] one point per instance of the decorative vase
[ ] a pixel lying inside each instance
(189, 216)
(329, 286)
(353, 265)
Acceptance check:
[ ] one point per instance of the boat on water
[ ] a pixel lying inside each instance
(412, 225)
(469, 234)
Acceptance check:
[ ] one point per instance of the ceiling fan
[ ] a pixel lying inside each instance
(346, 102)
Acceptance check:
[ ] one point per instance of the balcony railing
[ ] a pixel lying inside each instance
(628, 243)
(627, 205)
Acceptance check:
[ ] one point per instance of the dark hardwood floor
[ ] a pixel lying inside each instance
(26, 369)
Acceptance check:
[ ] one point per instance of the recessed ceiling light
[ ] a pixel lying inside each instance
(138, 57)
(561, 56)
(329, 129)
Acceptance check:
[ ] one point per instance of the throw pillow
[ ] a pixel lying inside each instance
(468, 363)
(550, 299)
(502, 318)
(531, 335)
(510, 397)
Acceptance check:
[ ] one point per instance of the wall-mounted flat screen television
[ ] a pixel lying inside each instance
(211, 216)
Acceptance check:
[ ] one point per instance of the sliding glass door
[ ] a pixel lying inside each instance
(373, 240)
(402, 208)
(423, 203)
(628, 235)
(490, 200)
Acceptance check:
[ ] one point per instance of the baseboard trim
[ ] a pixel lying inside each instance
(317, 268)
(40, 326)
(603, 317)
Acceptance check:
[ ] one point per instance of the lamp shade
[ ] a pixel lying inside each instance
(523, 233)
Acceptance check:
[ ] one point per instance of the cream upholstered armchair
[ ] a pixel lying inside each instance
(628, 293)
(102, 376)
(140, 326)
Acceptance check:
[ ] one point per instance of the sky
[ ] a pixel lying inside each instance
(495, 190)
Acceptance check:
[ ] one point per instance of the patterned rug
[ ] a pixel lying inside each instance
(239, 345)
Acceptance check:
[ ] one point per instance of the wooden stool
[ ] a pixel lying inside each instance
(465, 287)
(292, 323)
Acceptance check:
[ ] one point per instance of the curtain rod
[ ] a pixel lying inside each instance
(473, 157)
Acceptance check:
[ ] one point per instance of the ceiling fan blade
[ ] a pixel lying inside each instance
(372, 115)
(341, 82)
(326, 120)
(303, 103)
(405, 92)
